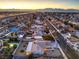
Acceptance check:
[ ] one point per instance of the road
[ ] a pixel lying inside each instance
(70, 53)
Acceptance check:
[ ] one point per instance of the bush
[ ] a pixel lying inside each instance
(48, 37)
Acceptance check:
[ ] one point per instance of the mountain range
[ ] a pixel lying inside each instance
(58, 10)
(40, 10)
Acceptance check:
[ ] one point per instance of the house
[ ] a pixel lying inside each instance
(66, 35)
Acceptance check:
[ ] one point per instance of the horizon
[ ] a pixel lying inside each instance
(36, 9)
(39, 4)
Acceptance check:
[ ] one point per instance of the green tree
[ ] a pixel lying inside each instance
(77, 27)
(46, 30)
(48, 37)
(14, 46)
(22, 51)
(13, 40)
(66, 22)
(5, 43)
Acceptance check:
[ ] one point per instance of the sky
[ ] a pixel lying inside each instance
(39, 4)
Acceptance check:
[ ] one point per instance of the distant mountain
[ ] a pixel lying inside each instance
(58, 10)
(39, 10)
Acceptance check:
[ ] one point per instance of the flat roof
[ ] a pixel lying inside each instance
(29, 46)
